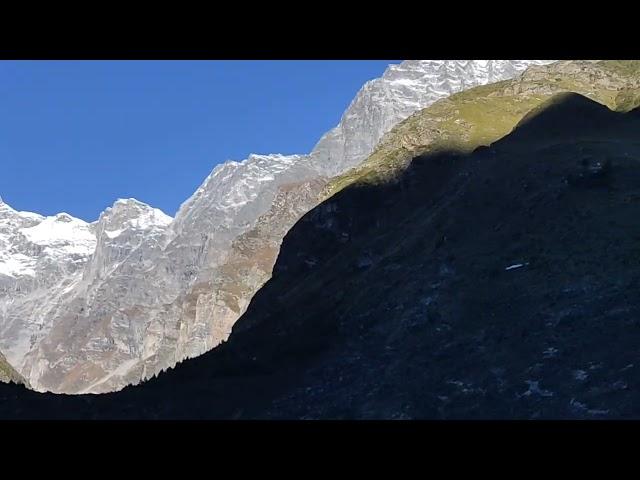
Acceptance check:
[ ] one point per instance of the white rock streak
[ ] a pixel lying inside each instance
(513, 267)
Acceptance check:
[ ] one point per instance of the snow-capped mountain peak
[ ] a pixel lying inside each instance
(30, 242)
(131, 214)
(402, 90)
(62, 233)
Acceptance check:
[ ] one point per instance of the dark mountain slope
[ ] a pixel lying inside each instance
(500, 284)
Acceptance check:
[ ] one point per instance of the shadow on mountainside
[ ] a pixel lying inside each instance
(500, 284)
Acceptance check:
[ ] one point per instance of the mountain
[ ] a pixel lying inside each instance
(40, 259)
(462, 121)
(156, 291)
(492, 283)
(402, 90)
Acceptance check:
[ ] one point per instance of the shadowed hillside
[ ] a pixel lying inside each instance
(497, 284)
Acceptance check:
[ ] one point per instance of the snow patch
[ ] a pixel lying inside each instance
(113, 233)
(517, 265)
(62, 230)
(17, 265)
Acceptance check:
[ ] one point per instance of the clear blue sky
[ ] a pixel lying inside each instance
(77, 135)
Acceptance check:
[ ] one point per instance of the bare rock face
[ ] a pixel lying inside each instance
(41, 259)
(223, 294)
(402, 90)
(136, 292)
(90, 333)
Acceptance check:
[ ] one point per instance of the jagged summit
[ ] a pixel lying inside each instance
(133, 214)
(402, 90)
(8, 209)
(238, 192)
(129, 201)
(62, 231)
(30, 241)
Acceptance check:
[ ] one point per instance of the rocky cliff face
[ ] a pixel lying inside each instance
(155, 291)
(402, 90)
(41, 259)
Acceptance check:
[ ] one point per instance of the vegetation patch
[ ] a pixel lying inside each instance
(482, 115)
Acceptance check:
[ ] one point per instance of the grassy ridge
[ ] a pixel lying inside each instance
(482, 115)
